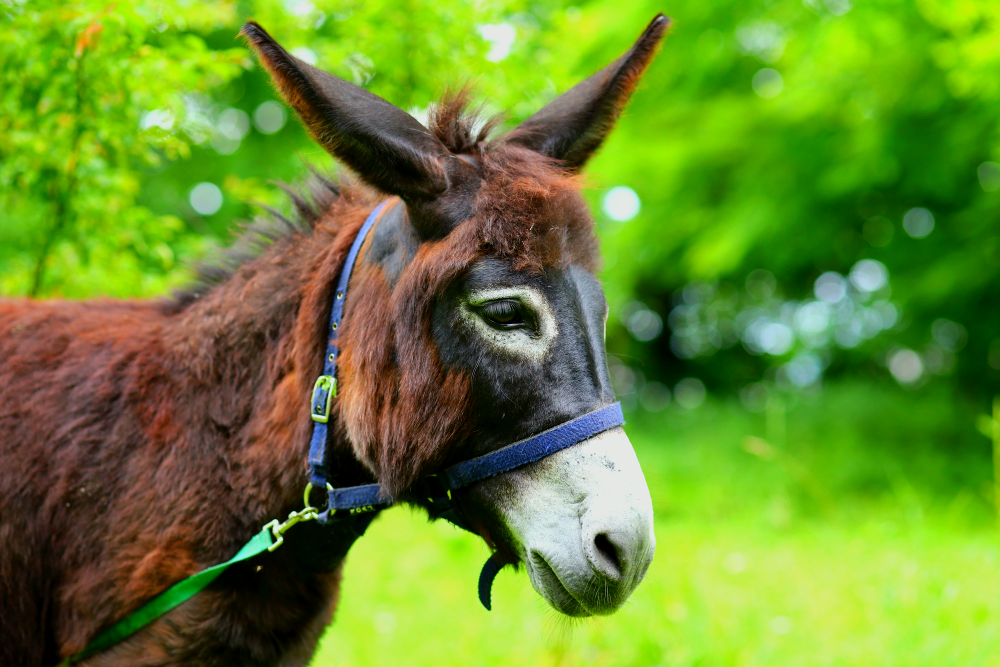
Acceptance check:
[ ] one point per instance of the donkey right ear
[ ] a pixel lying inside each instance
(383, 144)
(572, 127)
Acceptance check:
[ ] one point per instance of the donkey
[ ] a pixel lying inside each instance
(143, 441)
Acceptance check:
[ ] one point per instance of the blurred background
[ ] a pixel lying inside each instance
(800, 220)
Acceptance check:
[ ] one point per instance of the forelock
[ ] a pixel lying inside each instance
(460, 127)
(530, 210)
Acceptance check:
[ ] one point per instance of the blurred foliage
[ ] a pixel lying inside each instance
(77, 79)
(794, 137)
(774, 145)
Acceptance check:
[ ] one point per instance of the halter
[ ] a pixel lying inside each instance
(354, 507)
(362, 503)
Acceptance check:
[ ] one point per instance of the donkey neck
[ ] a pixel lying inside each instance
(254, 345)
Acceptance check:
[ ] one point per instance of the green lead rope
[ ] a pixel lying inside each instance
(170, 598)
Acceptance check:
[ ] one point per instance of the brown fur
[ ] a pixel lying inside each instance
(142, 441)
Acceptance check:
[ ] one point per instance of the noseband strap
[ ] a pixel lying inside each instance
(360, 503)
(534, 448)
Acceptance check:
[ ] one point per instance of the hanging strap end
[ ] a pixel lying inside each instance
(486, 577)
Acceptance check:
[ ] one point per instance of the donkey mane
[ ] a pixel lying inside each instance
(263, 232)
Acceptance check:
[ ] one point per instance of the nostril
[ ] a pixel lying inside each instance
(607, 549)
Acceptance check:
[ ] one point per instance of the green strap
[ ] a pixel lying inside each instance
(170, 598)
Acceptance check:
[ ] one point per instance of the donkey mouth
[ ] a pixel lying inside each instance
(594, 594)
(547, 582)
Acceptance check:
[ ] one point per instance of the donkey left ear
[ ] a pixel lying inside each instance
(383, 144)
(572, 127)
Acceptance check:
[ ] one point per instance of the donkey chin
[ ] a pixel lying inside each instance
(581, 522)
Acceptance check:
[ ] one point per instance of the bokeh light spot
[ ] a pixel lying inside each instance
(655, 396)
(206, 198)
(689, 393)
(918, 222)
(775, 338)
(869, 275)
(812, 317)
(764, 39)
(644, 325)
(304, 53)
(299, 7)
(161, 118)
(804, 370)
(830, 287)
(234, 123)
(839, 7)
(501, 37)
(621, 203)
(906, 366)
(888, 312)
(949, 335)
(989, 176)
(269, 117)
(768, 83)
(385, 622)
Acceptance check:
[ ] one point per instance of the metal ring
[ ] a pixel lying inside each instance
(309, 488)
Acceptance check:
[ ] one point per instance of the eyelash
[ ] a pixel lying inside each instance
(505, 314)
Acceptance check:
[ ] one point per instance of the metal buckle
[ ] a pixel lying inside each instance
(278, 529)
(324, 391)
(307, 513)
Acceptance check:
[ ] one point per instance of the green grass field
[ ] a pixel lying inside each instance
(852, 529)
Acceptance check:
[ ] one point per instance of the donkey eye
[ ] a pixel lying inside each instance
(504, 313)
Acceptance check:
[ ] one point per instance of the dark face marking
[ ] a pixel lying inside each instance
(526, 380)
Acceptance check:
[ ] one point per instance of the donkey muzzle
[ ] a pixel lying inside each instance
(581, 521)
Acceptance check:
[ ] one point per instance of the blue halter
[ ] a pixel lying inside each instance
(362, 503)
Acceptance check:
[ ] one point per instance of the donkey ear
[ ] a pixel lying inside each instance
(383, 144)
(572, 126)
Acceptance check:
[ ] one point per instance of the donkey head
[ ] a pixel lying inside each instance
(475, 318)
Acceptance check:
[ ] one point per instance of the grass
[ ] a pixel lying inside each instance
(855, 530)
